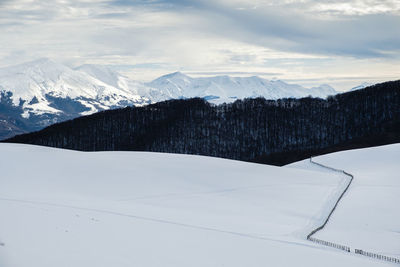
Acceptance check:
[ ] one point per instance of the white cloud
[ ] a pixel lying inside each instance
(294, 38)
(358, 7)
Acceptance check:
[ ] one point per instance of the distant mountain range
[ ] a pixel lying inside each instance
(42, 92)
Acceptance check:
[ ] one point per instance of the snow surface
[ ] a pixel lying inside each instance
(368, 216)
(67, 208)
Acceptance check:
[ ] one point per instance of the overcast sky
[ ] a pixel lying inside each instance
(339, 42)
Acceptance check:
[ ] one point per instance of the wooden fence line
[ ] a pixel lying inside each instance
(338, 246)
(376, 256)
(337, 202)
(329, 244)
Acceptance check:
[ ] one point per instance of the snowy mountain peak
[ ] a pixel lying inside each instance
(176, 74)
(171, 77)
(224, 88)
(44, 81)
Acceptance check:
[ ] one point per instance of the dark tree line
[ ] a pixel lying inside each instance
(259, 130)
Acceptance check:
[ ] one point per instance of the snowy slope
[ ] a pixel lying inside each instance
(117, 80)
(102, 73)
(66, 208)
(368, 216)
(33, 81)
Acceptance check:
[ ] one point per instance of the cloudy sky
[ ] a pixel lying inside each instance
(309, 42)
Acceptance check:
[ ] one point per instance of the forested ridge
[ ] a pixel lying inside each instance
(258, 130)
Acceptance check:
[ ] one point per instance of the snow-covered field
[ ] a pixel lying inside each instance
(66, 208)
(368, 216)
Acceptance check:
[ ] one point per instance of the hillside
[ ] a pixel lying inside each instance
(152, 209)
(367, 216)
(267, 131)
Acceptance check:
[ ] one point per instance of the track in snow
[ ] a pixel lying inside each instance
(157, 220)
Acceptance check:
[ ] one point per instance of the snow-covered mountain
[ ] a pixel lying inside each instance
(41, 92)
(221, 89)
(35, 86)
(98, 87)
